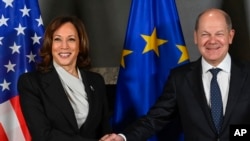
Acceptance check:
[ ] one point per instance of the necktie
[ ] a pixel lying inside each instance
(216, 100)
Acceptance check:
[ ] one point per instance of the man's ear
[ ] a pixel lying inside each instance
(231, 36)
(195, 37)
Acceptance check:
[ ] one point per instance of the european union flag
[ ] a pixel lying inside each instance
(154, 45)
(21, 31)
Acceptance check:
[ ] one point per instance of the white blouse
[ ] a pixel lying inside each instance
(75, 90)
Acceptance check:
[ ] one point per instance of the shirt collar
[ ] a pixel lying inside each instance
(225, 65)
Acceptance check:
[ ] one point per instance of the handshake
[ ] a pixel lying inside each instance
(113, 137)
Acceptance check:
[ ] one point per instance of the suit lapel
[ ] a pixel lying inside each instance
(237, 80)
(89, 90)
(53, 88)
(195, 80)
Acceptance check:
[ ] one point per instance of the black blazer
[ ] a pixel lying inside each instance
(184, 97)
(49, 114)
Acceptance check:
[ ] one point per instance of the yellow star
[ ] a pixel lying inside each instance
(125, 53)
(184, 55)
(152, 42)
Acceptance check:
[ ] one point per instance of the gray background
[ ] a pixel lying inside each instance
(106, 22)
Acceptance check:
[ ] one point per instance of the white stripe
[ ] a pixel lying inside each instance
(10, 122)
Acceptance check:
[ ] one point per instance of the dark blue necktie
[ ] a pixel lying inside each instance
(216, 100)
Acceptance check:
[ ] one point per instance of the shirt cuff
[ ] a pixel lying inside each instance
(123, 136)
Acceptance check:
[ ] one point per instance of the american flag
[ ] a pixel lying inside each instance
(21, 31)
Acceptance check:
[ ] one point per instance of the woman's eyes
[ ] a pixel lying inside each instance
(72, 39)
(59, 39)
(56, 39)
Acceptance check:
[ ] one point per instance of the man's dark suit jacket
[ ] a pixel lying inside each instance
(49, 114)
(184, 97)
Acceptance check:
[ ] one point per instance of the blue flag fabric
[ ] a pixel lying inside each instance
(21, 31)
(154, 45)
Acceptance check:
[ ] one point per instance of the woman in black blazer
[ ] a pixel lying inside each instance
(62, 100)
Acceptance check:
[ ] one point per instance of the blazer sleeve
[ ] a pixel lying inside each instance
(163, 111)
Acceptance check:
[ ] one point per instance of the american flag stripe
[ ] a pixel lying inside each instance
(10, 123)
(15, 104)
(3, 135)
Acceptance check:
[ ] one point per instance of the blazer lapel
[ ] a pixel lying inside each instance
(53, 88)
(195, 80)
(89, 90)
(238, 77)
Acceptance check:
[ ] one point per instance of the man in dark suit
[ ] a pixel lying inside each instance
(187, 92)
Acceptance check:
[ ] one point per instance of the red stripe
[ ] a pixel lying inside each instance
(16, 106)
(3, 135)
